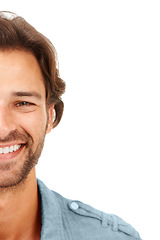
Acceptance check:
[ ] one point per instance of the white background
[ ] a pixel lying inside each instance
(105, 151)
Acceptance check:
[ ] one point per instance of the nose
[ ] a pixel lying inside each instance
(7, 123)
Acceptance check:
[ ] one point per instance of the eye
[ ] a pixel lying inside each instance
(24, 103)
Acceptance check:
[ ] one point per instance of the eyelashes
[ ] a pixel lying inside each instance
(24, 104)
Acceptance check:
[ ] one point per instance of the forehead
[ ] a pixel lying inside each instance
(20, 69)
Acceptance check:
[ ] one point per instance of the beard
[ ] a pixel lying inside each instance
(15, 173)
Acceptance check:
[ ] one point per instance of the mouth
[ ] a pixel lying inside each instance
(10, 151)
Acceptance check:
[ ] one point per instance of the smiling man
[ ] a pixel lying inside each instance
(30, 90)
(24, 119)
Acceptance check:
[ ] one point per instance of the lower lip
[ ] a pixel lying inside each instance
(12, 154)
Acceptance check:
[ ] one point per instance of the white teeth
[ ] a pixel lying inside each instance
(15, 148)
(10, 149)
(6, 150)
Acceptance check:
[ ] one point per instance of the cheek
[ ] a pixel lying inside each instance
(34, 123)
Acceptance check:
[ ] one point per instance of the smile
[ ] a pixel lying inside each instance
(9, 149)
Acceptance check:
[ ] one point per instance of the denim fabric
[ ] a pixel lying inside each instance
(64, 219)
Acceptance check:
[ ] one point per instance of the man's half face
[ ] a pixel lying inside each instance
(23, 115)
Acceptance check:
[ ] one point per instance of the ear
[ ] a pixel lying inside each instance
(50, 119)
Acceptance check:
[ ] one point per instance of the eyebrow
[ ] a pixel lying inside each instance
(27, 94)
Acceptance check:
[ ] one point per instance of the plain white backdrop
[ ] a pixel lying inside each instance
(105, 152)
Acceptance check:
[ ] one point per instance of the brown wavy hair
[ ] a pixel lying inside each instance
(16, 33)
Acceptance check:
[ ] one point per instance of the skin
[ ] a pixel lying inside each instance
(24, 120)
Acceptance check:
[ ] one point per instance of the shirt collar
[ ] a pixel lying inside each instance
(50, 213)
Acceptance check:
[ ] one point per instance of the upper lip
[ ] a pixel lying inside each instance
(10, 144)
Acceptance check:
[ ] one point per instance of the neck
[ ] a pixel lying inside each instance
(20, 216)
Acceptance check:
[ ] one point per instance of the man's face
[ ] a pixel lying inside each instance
(23, 115)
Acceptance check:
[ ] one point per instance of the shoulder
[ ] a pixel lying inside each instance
(84, 220)
(74, 220)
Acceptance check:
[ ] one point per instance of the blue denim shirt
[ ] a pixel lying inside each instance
(64, 219)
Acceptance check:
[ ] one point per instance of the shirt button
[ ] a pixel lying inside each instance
(74, 205)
